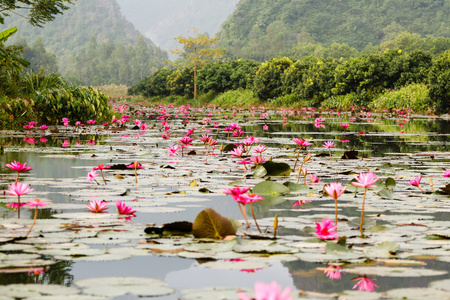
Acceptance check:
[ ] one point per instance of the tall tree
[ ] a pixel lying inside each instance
(37, 12)
(197, 50)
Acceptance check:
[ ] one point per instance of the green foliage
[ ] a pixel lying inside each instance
(38, 12)
(15, 112)
(152, 86)
(181, 82)
(69, 37)
(439, 82)
(310, 78)
(38, 56)
(263, 29)
(268, 80)
(339, 102)
(237, 98)
(72, 102)
(41, 82)
(11, 64)
(414, 97)
(223, 76)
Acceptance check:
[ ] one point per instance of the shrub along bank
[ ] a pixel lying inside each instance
(393, 79)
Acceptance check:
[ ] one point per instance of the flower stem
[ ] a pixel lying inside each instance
(18, 207)
(329, 151)
(135, 172)
(101, 172)
(421, 189)
(17, 177)
(296, 159)
(335, 214)
(34, 222)
(243, 214)
(362, 212)
(254, 218)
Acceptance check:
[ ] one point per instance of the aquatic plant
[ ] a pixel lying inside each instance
(326, 230)
(365, 180)
(35, 203)
(18, 167)
(18, 189)
(334, 191)
(270, 291)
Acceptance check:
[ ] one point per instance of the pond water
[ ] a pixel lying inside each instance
(414, 226)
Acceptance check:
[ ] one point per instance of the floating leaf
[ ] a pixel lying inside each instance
(294, 187)
(259, 171)
(277, 169)
(390, 183)
(385, 194)
(353, 154)
(210, 224)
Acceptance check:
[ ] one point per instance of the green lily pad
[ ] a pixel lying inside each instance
(210, 224)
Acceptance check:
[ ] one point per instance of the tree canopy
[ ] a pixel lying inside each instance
(37, 12)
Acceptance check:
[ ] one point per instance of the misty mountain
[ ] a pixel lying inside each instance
(162, 21)
(72, 31)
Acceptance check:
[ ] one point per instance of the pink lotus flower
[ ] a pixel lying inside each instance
(91, 175)
(18, 167)
(364, 284)
(257, 160)
(300, 202)
(43, 127)
(65, 144)
(36, 271)
(36, 203)
(173, 150)
(43, 140)
(326, 230)
(416, 182)
(301, 142)
(314, 178)
(91, 143)
(329, 144)
(265, 127)
(260, 149)
(248, 198)
(447, 173)
(366, 180)
(236, 191)
(19, 189)
(270, 291)
(97, 206)
(15, 205)
(333, 272)
(123, 209)
(190, 131)
(238, 133)
(334, 190)
(237, 152)
(101, 167)
(344, 125)
(345, 141)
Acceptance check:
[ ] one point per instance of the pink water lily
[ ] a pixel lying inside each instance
(416, 182)
(270, 291)
(447, 173)
(333, 272)
(18, 167)
(328, 145)
(91, 175)
(334, 191)
(124, 209)
(364, 284)
(102, 167)
(326, 230)
(136, 165)
(97, 206)
(365, 180)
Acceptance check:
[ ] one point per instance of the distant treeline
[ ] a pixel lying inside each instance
(312, 80)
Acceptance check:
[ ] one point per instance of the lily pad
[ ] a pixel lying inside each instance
(210, 224)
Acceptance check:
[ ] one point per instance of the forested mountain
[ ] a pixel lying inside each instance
(260, 29)
(81, 31)
(162, 21)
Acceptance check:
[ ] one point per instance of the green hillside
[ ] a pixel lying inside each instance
(260, 29)
(70, 33)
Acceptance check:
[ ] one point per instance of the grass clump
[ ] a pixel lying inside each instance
(414, 97)
(239, 98)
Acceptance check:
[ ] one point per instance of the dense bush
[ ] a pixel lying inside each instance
(414, 97)
(74, 103)
(223, 76)
(439, 82)
(268, 80)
